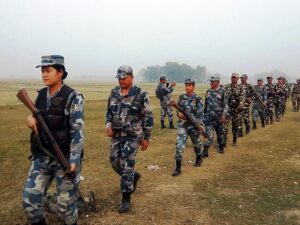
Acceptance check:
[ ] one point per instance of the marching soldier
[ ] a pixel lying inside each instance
(193, 104)
(248, 91)
(280, 93)
(270, 91)
(215, 110)
(163, 93)
(296, 96)
(234, 92)
(62, 109)
(259, 103)
(129, 121)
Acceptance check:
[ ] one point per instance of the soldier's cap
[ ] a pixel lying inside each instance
(189, 81)
(214, 78)
(298, 79)
(235, 75)
(49, 60)
(269, 77)
(281, 78)
(244, 76)
(260, 78)
(163, 77)
(123, 71)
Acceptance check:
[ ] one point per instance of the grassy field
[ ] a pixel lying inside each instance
(256, 182)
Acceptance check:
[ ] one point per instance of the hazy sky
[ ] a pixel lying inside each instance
(96, 37)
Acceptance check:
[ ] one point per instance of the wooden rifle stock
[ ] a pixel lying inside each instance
(25, 99)
(189, 117)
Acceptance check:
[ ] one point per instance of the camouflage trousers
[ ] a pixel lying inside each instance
(43, 170)
(296, 102)
(122, 158)
(244, 116)
(182, 135)
(165, 109)
(235, 121)
(270, 114)
(210, 128)
(278, 106)
(284, 106)
(257, 110)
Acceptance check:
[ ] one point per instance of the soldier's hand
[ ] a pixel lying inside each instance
(222, 119)
(181, 116)
(31, 121)
(145, 144)
(173, 84)
(109, 132)
(73, 167)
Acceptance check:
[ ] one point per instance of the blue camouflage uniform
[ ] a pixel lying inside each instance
(215, 107)
(164, 101)
(257, 106)
(131, 119)
(194, 105)
(44, 168)
(270, 91)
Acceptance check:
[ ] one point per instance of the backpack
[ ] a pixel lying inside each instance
(159, 91)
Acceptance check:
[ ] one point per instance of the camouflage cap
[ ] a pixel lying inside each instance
(235, 75)
(50, 60)
(270, 77)
(189, 81)
(260, 78)
(214, 78)
(123, 71)
(281, 78)
(244, 76)
(163, 77)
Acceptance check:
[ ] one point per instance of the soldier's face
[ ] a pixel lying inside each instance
(51, 76)
(269, 80)
(163, 81)
(126, 82)
(259, 82)
(189, 88)
(214, 84)
(234, 80)
(280, 81)
(243, 79)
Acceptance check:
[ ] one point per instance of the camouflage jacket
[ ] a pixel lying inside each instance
(235, 96)
(192, 104)
(165, 92)
(296, 89)
(130, 114)
(261, 93)
(280, 92)
(270, 91)
(248, 92)
(215, 104)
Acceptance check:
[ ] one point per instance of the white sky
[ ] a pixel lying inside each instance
(96, 37)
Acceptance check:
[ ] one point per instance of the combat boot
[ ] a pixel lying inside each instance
(125, 203)
(177, 171)
(267, 122)
(241, 132)
(162, 124)
(171, 126)
(247, 129)
(205, 152)
(234, 140)
(263, 124)
(221, 149)
(198, 160)
(271, 120)
(42, 222)
(254, 126)
(136, 178)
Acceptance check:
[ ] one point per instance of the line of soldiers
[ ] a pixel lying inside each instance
(129, 121)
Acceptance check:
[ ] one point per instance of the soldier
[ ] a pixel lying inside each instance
(269, 88)
(248, 92)
(296, 96)
(280, 93)
(215, 110)
(288, 88)
(234, 92)
(191, 103)
(62, 108)
(259, 103)
(163, 93)
(129, 121)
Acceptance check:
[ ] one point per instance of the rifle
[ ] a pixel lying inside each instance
(262, 102)
(60, 157)
(189, 118)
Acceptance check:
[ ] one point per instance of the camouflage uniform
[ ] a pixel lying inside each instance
(248, 92)
(164, 101)
(280, 93)
(194, 105)
(296, 96)
(235, 100)
(131, 119)
(288, 88)
(257, 106)
(44, 169)
(215, 107)
(269, 89)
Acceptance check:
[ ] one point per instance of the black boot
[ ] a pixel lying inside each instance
(162, 124)
(136, 178)
(254, 126)
(198, 160)
(247, 129)
(205, 152)
(171, 126)
(263, 124)
(271, 120)
(125, 203)
(42, 222)
(241, 132)
(177, 171)
(221, 149)
(234, 140)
